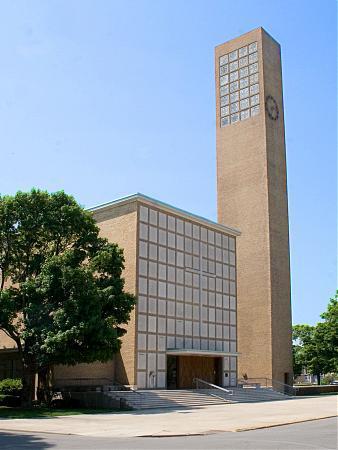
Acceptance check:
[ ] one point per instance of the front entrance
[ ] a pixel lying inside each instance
(181, 370)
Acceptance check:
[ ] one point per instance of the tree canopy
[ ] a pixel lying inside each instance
(316, 347)
(62, 297)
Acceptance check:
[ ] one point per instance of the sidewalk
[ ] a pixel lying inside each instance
(211, 419)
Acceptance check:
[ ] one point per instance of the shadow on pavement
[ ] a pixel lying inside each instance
(15, 441)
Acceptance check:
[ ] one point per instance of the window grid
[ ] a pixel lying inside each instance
(239, 85)
(174, 292)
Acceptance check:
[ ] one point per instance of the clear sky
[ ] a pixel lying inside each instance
(107, 98)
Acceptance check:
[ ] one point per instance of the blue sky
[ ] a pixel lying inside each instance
(107, 98)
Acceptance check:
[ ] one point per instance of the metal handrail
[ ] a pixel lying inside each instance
(270, 383)
(214, 386)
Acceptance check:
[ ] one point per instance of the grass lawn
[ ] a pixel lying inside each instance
(21, 413)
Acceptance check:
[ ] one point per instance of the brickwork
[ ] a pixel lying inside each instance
(251, 186)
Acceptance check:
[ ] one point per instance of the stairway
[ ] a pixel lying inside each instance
(251, 395)
(146, 399)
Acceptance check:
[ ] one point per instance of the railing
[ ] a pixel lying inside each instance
(268, 383)
(202, 384)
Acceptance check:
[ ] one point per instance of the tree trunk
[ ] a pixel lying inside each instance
(45, 385)
(318, 378)
(28, 384)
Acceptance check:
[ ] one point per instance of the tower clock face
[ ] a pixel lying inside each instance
(271, 107)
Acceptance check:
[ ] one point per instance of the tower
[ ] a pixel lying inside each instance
(252, 196)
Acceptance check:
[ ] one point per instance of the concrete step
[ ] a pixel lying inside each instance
(145, 399)
(161, 398)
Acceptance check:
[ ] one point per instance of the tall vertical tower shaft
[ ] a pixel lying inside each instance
(252, 195)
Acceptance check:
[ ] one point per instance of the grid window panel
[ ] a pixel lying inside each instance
(161, 340)
(243, 93)
(162, 307)
(179, 292)
(179, 309)
(255, 110)
(142, 303)
(152, 269)
(161, 361)
(179, 242)
(152, 342)
(234, 107)
(143, 249)
(243, 72)
(233, 55)
(233, 66)
(152, 234)
(179, 327)
(244, 103)
(254, 78)
(171, 327)
(152, 287)
(223, 59)
(171, 240)
(243, 51)
(224, 90)
(234, 86)
(179, 226)
(234, 118)
(153, 217)
(142, 322)
(254, 100)
(162, 237)
(244, 82)
(153, 251)
(254, 89)
(171, 223)
(225, 121)
(152, 324)
(142, 343)
(234, 97)
(224, 80)
(162, 326)
(253, 47)
(143, 267)
(245, 114)
(143, 231)
(224, 69)
(142, 361)
(253, 58)
(144, 213)
(243, 62)
(253, 68)
(234, 76)
(152, 305)
(162, 220)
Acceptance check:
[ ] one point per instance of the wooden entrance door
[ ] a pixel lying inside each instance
(190, 367)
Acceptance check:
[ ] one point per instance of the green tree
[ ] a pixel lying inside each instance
(62, 297)
(316, 347)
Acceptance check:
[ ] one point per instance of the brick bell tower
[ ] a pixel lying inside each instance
(252, 196)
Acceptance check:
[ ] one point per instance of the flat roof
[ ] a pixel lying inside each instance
(138, 197)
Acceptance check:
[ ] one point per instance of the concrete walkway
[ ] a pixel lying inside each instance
(211, 419)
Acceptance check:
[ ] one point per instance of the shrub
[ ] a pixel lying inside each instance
(11, 386)
(10, 400)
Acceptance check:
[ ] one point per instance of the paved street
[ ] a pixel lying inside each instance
(318, 434)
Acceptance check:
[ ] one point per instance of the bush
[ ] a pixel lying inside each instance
(11, 386)
(10, 400)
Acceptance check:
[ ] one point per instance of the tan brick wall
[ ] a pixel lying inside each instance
(119, 224)
(251, 185)
(103, 372)
(6, 342)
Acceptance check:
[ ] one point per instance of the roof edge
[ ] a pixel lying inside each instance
(138, 197)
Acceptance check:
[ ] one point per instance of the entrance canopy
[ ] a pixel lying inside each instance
(193, 352)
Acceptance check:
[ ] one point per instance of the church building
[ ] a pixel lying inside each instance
(213, 298)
